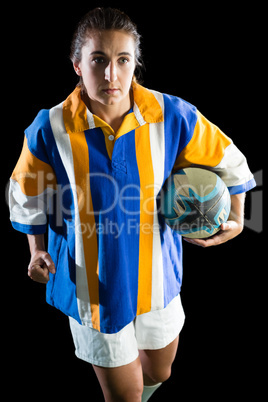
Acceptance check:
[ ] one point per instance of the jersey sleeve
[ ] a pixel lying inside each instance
(32, 183)
(210, 148)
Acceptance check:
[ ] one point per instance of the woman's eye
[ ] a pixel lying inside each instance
(99, 60)
(123, 60)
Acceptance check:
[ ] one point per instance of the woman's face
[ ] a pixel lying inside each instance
(107, 66)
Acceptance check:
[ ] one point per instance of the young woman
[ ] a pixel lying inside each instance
(92, 168)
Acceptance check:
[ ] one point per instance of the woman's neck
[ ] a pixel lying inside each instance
(111, 114)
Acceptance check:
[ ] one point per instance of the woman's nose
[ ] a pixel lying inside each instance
(110, 72)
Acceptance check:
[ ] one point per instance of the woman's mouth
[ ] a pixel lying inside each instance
(110, 91)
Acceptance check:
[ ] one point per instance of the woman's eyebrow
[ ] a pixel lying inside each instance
(97, 52)
(124, 54)
(103, 54)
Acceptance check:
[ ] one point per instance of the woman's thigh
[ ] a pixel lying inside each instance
(156, 364)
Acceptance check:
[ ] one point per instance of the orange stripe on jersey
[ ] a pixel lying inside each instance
(87, 220)
(206, 147)
(32, 174)
(145, 166)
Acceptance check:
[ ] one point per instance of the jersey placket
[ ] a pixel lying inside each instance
(115, 145)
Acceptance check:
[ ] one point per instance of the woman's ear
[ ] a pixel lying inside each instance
(77, 69)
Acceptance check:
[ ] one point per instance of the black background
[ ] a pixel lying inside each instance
(211, 56)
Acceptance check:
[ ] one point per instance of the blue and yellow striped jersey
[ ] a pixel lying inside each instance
(97, 191)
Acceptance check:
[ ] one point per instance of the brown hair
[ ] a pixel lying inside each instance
(101, 19)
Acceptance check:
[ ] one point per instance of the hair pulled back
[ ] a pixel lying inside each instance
(102, 19)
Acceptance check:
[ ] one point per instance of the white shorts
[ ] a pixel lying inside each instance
(153, 330)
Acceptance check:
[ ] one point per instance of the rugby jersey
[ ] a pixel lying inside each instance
(97, 191)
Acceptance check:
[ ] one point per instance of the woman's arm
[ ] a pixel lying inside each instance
(41, 263)
(232, 228)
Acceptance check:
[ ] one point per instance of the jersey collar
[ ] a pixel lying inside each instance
(78, 118)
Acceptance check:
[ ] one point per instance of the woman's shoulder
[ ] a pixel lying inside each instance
(175, 104)
(40, 120)
(39, 134)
